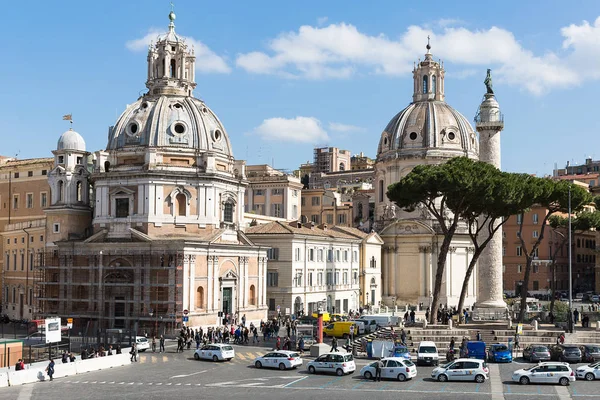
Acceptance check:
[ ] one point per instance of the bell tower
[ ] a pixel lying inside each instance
(171, 65)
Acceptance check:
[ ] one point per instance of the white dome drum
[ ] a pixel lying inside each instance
(71, 140)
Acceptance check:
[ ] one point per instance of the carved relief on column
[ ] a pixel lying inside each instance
(425, 249)
(452, 249)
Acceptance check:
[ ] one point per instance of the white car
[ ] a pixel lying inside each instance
(589, 372)
(393, 368)
(338, 363)
(281, 359)
(142, 343)
(215, 352)
(463, 369)
(546, 372)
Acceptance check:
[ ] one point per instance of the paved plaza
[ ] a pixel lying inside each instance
(172, 375)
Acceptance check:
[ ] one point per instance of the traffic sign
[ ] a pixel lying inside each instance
(352, 329)
(186, 319)
(185, 312)
(69, 323)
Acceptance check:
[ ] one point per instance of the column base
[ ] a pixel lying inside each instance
(489, 313)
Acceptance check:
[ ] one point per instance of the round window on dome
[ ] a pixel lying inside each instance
(144, 105)
(413, 136)
(451, 136)
(385, 141)
(179, 128)
(177, 105)
(204, 110)
(217, 135)
(133, 128)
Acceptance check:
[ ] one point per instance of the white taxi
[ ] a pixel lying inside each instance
(215, 352)
(589, 372)
(281, 359)
(142, 343)
(546, 372)
(338, 363)
(463, 369)
(393, 368)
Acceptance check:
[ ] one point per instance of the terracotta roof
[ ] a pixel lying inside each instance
(28, 161)
(282, 228)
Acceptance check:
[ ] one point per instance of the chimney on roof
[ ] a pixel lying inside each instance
(312, 225)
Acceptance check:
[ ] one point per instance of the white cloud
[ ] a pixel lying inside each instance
(299, 129)
(341, 50)
(207, 61)
(344, 128)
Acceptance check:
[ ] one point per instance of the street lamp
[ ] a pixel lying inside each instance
(570, 317)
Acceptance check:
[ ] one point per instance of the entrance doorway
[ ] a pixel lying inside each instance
(119, 312)
(227, 300)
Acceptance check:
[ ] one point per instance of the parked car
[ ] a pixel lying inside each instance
(393, 368)
(499, 353)
(427, 354)
(578, 297)
(536, 352)
(338, 363)
(588, 372)
(590, 353)
(546, 372)
(463, 369)
(595, 298)
(476, 349)
(566, 353)
(215, 352)
(282, 359)
(341, 329)
(142, 343)
(401, 351)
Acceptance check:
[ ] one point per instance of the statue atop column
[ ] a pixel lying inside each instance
(488, 82)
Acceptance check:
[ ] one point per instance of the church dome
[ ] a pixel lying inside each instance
(428, 127)
(169, 121)
(71, 140)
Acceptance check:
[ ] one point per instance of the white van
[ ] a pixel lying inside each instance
(361, 327)
(381, 320)
(370, 325)
(427, 354)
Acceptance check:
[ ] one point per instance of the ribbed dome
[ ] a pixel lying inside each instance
(71, 140)
(169, 121)
(428, 128)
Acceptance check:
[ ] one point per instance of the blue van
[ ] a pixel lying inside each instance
(476, 350)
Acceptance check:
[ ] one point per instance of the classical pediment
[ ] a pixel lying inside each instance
(406, 227)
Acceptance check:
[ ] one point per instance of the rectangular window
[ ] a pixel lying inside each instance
(79, 160)
(44, 172)
(29, 200)
(536, 252)
(41, 238)
(337, 255)
(56, 228)
(277, 210)
(15, 202)
(337, 278)
(16, 174)
(355, 277)
(316, 201)
(535, 268)
(536, 285)
(518, 234)
(345, 255)
(31, 261)
(330, 219)
(259, 192)
(276, 192)
(297, 253)
(272, 279)
(294, 193)
(329, 278)
(330, 255)
(30, 173)
(272, 305)
(14, 261)
(320, 255)
(43, 199)
(356, 256)
(504, 251)
(7, 262)
(320, 279)
(341, 219)
(310, 280)
(22, 262)
(519, 269)
(535, 234)
(122, 206)
(345, 278)
(519, 251)
(311, 254)
(535, 219)
(314, 218)
(519, 219)
(302, 201)
(273, 254)
(503, 268)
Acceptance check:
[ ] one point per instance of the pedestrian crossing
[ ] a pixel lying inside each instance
(240, 357)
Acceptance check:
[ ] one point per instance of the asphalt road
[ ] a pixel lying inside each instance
(171, 375)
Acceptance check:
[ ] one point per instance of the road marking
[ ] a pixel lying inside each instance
(184, 376)
(240, 355)
(384, 386)
(360, 384)
(165, 359)
(154, 359)
(297, 380)
(563, 392)
(496, 381)
(25, 392)
(331, 381)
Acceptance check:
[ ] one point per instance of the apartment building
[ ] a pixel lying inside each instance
(308, 264)
(24, 194)
(325, 206)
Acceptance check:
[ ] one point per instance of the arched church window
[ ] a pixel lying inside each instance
(173, 69)
(425, 83)
(106, 166)
(252, 299)
(200, 297)
(59, 194)
(433, 84)
(180, 199)
(79, 191)
(228, 212)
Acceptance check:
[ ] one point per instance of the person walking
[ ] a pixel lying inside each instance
(278, 343)
(478, 336)
(161, 344)
(154, 344)
(334, 345)
(50, 368)
(133, 353)
(378, 368)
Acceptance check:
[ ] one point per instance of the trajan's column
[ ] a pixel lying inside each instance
(489, 122)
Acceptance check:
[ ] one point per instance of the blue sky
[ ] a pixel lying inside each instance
(286, 76)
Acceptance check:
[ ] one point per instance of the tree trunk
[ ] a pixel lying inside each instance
(525, 288)
(439, 274)
(465, 285)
